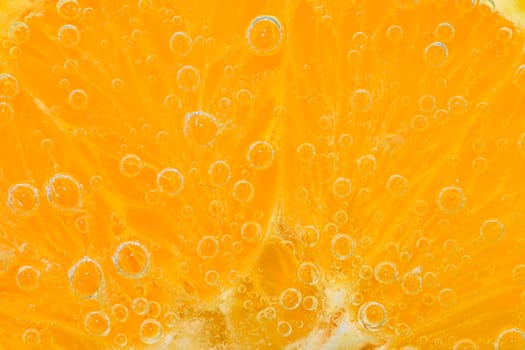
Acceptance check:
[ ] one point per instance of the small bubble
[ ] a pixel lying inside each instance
(86, 278)
(9, 86)
(212, 277)
(445, 32)
(441, 116)
(284, 328)
(457, 104)
(170, 319)
(97, 323)
(260, 155)
(435, 54)
(170, 181)
(121, 340)
(518, 274)
(342, 246)
(77, 99)
(131, 165)
(465, 344)
(451, 199)
(361, 100)
(264, 35)
(7, 112)
(151, 331)
(419, 123)
(200, 128)
(243, 191)
(427, 103)
(145, 5)
(342, 187)
(394, 33)
(310, 303)
(28, 278)
(64, 193)
(188, 78)
(31, 336)
(510, 339)
(180, 43)
(67, 9)
(140, 306)
(308, 273)
(120, 312)
(208, 247)
(519, 77)
(306, 152)
(290, 299)
(132, 260)
(19, 33)
(23, 199)
(251, 231)
(360, 39)
(367, 164)
(219, 173)
(354, 57)
(372, 316)
(492, 230)
(310, 235)
(366, 272)
(505, 34)
(447, 297)
(386, 272)
(412, 283)
(69, 35)
(397, 185)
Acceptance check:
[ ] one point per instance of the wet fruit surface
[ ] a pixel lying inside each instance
(261, 175)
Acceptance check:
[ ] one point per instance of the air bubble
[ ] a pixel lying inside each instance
(465, 344)
(447, 297)
(435, 54)
(121, 340)
(86, 278)
(412, 283)
(342, 187)
(518, 274)
(492, 230)
(208, 247)
(200, 128)
(243, 191)
(19, 33)
(67, 9)
(290, 299)
(386, 272)
(451, 199)
(394, 33)
(140, 306)
(397, 185)
(28, 278)
(310, 303)
(445, 32)
(9, 86)
(284, 328)
(306, 152)
(120, 312)
(219, 173)
(260, 155)
(180, 43)
(367, 164)
(519, 77)
(342, 246)
(170, 181)
(361, 100)
(372, 316)
(188, 78)
(308, 273)
(170, 319)
(427, 103)
(457, 104)
(31, 336)
(310, 235)
(419, 123)
(69, 35)
(212, 277)
(64, 193)
(7, 112)
(131, 165)
(77, 99)
(132, 260)
(510, 339)
(251, 231)
(151, 331)
(97, 323)
(23, 199)
(264, 35)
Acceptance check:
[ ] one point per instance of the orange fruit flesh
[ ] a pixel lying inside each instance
(261, 175)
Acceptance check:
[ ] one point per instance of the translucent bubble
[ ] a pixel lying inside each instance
(7, 112)
(367, 164)
(170, 181)
(97, 323)
(151, 331)
(67, 9)
(180, 43)
(264, 35)
(28, 278)
(445, 32)
(200, 128)
(243, 191)
(212, 277)
(64, 193)
(308, 273)
(354, 57)
(447, 297)
(251, 231)
(208, 247)
(518, 273)
(145, 5)
(219, 173)
(397, 185)
(86, 278)
(9, 86)
(77, 99)
(120, 312)
(290, 299)
(510, 339)
(68, 35)
(260, 155)
(31, 336)
(23, 199)
(140, 306)
(361, 100)
(132, 260)
(451, 199)
(372, 316)
(419, 123)
(435, 54)
(457, 104)
(310, 235)
(519, 77)
(441, 116)
(427, 103)
(386, 272)
(360, 39)
(188, 78)
(412, 283)
(465, 344)
(394, 33)
(492, 230)
(121, 340)
(342, 187)
(342, 246)
(306, 152)
(310, 303)
(19, 33)
(170, 319)
(131, 165)
(284, 328)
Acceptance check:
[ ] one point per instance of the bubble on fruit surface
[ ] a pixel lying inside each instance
(411, 283)
(342, 246)
(200, 128)
(260, 155)
(23, 199)
(445, 32)
(219, 173)
(243, 191)
(308, 273)
(170, 181)
(265, 35)
(342, 187)
(86, 278)
(465, 344)
(394, 33)
(367, 164)
(7, 112)
(69, 35)
(64, 193)
(212, 278)
(208, 247)
(31, 336)
(492, 230)
(386, 272)
(451, 199)
(457, 104)
(435, 54)
(140, 306)
(284, 328)
(427, 103)
(310, 235)
(188, 78)
(131, 165)
(28, 278)
(290, 299)
(180, 43)
(67, 9)
(518, 273)
(310, 303)
(120, 312)
(372, 316)
(519, 77)
(19, 33)
(306, 152)
(77, 99)
(397, 185)
(132, 259)
(361, 100)
(9, 86)
(97, 323)
(121, 340)
(251, 231)
(447, 297)
(151, 331)
(510, 339)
